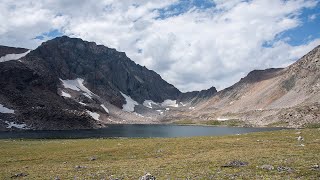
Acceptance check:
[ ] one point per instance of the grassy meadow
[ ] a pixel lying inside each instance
(165, 158)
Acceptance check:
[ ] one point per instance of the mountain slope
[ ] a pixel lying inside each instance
(68, 83)
(287, 96)
(106, 71)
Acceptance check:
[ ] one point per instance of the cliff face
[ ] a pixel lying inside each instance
(106, 71)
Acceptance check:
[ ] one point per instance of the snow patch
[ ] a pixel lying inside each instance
(137, 114)
(160, 111)
(148, 103)
(222, 119)
(169, 102)
(6, 110)
(104, 107)
(191, 108)
(182, 104)
(130, 103)
(64, 94)
(167, 109)
(77, 85)
(16, 125)
(87, 95)
(84, 104)
(9, 57)
(94, 115)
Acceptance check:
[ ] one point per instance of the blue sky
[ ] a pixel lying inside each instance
(193, 44)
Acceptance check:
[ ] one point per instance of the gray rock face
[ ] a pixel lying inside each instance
(107, 71)
(35, 100)
(197, 96)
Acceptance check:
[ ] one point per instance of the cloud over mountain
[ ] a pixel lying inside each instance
(191, 44)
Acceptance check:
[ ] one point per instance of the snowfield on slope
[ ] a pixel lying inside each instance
(148, 103)
(105, 108)
(5, 110)
(77, 85)
(16, 125)
(94, 115)
(130, 103)
(9, 57)
(169, 102)
(64, 94)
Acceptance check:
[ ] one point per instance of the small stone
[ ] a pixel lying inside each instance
(298, 132)
(80, 167)
(235, 163)
(301, 145)
(93, 158)
(57, 178)
(19, 175)
(283, 168)
(315, 167)
(148, 176)
(267, 167)
(300, 138)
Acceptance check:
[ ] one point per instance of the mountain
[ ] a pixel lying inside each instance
(106, 71)
(288, 97)
(68, 83)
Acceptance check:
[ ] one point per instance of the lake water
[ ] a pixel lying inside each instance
(134, 131)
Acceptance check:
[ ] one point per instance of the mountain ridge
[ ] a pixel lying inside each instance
(69, 83)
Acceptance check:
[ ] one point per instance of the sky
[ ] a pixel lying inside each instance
(193, 44)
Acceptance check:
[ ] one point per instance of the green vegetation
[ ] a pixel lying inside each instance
(184, 122)
(278, 124)
(313, 125)
(174, 158)
(231, 122)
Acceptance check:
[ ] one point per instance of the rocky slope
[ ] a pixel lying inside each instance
(288, 97)
(195, 97)
(68, 83)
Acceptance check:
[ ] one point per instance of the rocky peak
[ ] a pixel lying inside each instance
(106, 71)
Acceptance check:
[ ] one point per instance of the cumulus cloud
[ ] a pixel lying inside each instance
(194, 48)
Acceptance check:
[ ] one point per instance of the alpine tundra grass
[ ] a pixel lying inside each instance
(166, 158)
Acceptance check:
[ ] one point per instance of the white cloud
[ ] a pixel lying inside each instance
(194, 50)
(312, 17)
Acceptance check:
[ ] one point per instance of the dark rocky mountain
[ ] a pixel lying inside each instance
(4, 50)
(68, 83)
(106, 71)
(35, 101)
